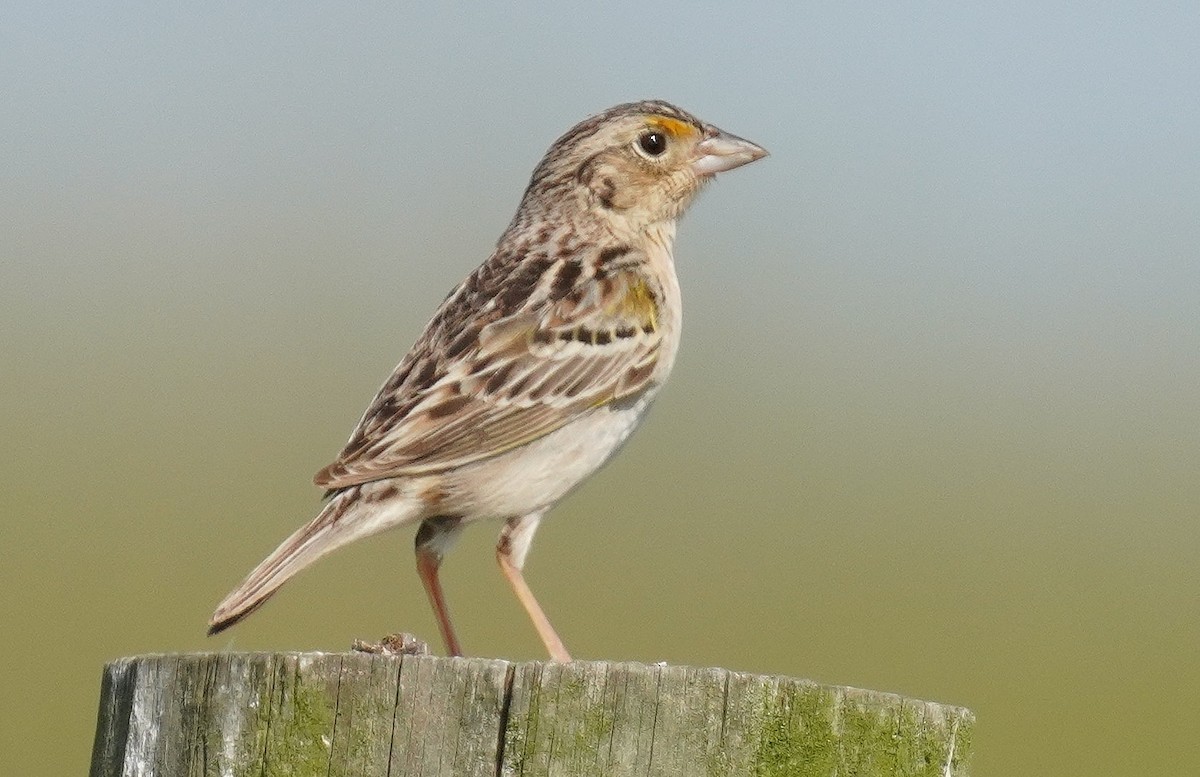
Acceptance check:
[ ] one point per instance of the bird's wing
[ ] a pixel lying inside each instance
(484, 379)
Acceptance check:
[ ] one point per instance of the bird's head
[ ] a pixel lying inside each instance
(634, 165)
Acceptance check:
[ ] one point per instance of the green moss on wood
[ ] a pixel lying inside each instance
(796, 737)
(296, 741)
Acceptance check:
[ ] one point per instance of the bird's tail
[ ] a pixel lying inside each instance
(350, 515)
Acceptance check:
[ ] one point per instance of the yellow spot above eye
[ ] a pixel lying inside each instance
(674, 127)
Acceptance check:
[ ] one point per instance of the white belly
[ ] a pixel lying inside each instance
(534, 477)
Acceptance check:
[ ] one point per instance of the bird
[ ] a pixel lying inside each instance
(533, 371)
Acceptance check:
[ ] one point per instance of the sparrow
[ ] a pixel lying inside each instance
(534, 370)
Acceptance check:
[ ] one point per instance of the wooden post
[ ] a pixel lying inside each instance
(417, 716)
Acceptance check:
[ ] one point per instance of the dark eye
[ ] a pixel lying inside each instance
(653, 143)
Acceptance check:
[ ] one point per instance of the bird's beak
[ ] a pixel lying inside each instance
(721, 151)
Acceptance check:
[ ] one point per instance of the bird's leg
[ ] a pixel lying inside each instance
(514, 542)
(434, 539)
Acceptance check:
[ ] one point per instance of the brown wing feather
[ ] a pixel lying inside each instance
(499, 380)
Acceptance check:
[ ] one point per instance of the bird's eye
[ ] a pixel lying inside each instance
(653, 143)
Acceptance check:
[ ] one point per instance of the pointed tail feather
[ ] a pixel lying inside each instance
(347, 517)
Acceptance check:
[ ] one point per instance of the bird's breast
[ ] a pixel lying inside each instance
(534, 477)
(661, 265)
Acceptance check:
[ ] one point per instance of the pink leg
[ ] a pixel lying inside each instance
(510, 553)
(434, 538)
(427, 568)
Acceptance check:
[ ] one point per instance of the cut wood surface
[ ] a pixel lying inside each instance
(418, 716)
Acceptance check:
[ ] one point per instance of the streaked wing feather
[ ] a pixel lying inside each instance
(525, 375)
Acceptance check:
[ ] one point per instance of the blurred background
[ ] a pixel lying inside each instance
(934, 428)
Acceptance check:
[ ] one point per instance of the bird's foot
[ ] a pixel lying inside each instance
(401, 644)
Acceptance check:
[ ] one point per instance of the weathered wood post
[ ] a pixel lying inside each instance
(417, 716)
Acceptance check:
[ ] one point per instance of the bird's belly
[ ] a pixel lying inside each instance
(535, 476)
